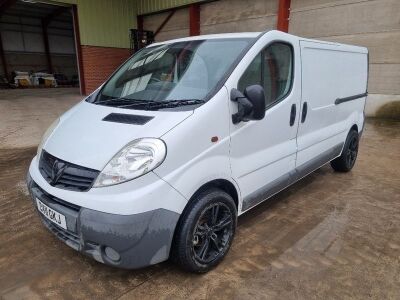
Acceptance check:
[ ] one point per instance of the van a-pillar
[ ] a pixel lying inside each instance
(283, 15)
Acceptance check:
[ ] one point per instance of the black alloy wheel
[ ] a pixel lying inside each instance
(345, 162)
(205, 231)
(352, 151)
(212, 233)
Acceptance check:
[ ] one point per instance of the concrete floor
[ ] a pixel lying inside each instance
(26, 113)
(330, 236)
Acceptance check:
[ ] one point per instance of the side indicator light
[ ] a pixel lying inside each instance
(214, 139)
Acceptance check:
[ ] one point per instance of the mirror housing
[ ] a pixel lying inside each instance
(251, 105)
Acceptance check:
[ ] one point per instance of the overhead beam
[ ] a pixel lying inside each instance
(27, 16)
(172, 12)
(283, 15)
(68, 29)
(194, 19)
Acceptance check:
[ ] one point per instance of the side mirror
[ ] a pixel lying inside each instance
(251, 105)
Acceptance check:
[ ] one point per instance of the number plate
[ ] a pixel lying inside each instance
(51, 214)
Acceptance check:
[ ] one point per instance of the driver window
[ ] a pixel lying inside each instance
(252, 75)
(272, 68)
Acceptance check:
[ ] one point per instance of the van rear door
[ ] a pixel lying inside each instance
(329, 72)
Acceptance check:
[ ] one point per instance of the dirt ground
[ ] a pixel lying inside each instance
(329, 236)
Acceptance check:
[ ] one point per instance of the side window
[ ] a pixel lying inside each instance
(273, 70)
(252, 75)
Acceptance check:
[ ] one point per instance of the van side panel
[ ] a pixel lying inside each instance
(193, 159)
(330, 72)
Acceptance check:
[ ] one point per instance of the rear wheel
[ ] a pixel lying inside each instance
(345, 162)
(205, 231)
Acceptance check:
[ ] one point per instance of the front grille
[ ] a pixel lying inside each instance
(65, 175)
(69, 205)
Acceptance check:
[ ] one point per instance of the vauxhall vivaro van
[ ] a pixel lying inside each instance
(190, 133)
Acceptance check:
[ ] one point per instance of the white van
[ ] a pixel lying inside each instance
(190, 133)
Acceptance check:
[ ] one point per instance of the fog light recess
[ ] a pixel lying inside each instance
(112, 254)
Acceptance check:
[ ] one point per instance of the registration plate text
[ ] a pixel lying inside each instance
(51, 214)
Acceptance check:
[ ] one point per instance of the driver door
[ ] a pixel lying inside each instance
(263, 153)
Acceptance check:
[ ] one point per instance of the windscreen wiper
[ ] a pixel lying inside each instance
(121, 99)
(149, 104)
(174, 103)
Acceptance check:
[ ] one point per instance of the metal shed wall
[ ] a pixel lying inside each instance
(105, 23)
(151, 6)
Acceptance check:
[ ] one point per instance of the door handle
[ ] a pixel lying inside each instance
(292, 114)
(304, 112)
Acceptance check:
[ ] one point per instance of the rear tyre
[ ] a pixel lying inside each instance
(205, 231)
(345, 162)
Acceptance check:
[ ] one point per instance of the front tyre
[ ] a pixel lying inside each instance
(205, 231)
(346, 161)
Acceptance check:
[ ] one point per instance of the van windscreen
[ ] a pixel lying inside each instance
(178, 73)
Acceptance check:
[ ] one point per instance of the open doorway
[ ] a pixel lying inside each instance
(37, 45)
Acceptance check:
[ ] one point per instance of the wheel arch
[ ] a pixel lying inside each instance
(354, 127)
(223, 184)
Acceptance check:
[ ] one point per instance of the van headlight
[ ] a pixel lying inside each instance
(135, 159)
(46, 135)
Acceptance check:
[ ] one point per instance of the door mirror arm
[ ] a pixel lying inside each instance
(251, 104)
(245, 107)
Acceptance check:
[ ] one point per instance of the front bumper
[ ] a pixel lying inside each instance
(140, 239)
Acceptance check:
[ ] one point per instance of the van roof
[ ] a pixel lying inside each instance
(212, 36)
(255, 35)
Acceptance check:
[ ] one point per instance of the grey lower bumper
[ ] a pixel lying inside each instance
(139, 240)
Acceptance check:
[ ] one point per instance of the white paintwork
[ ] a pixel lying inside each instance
(249, 154)
(192, 158)
(211, 37)
(148, 192)
(82, 126)
(262, 151)
(329, 71)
